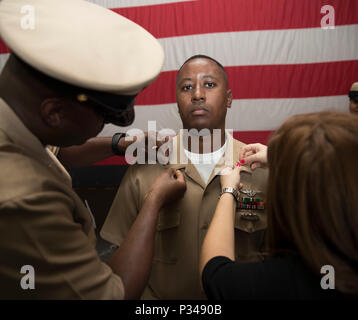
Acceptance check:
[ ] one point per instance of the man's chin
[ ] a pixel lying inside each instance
(199, 126)
(198, 131)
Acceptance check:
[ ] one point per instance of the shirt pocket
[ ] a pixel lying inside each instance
(167, 233)
(250, 235)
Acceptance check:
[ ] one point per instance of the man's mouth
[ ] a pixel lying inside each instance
(199, 111)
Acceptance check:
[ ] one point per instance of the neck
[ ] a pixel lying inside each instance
(211, 142)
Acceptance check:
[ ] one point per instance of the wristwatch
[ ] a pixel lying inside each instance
(115, 139)
(232, 191)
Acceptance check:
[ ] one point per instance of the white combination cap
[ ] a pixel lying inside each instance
(81, 44)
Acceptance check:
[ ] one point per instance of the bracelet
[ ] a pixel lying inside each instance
(115, 139)
(232, 191)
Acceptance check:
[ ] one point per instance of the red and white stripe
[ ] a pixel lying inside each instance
(279, 60)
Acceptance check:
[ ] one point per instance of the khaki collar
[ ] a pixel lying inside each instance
(27, 141)
(179, 160)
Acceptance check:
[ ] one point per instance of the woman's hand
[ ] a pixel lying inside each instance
(230, 178)
(254, 155)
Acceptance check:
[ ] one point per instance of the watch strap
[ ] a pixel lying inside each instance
(232, 191)
(115, 139)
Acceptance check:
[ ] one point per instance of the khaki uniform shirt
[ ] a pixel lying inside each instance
(44, 224)
(182, 226)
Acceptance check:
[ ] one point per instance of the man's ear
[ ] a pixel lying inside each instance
(228, 98)
(52, 112)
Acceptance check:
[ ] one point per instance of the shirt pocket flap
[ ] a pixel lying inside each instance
(169, 217)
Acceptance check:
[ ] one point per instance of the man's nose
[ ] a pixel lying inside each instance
(198, 94)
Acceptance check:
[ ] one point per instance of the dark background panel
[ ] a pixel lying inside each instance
(98, 186)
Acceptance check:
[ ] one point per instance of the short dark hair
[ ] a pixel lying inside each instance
(203, 56)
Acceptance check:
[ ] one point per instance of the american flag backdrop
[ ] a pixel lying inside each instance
(279, 59)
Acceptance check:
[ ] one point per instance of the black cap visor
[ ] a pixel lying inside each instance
(353, 95)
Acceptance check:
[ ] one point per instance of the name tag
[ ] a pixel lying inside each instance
(249, 216)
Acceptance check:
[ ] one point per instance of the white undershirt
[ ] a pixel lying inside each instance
(206, 162)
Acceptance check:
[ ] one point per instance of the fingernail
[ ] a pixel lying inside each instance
(242, 161)
(238, 164)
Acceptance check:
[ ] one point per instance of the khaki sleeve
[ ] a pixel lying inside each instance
(124, 209)
(40, 230)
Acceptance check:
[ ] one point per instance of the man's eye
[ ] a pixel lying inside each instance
(210, 84)
(187, 87)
